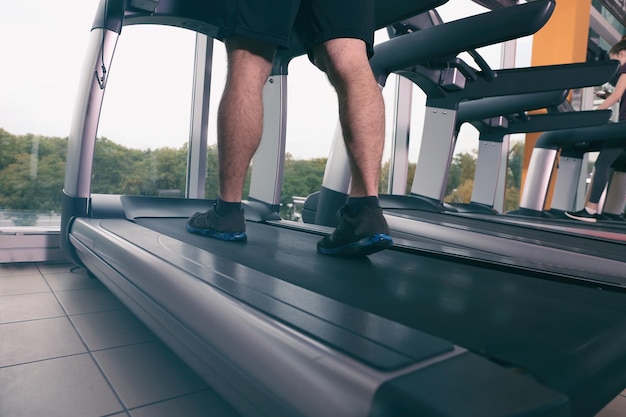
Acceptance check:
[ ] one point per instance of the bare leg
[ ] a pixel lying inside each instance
(363, 229)
(361, 109)
(240, 114)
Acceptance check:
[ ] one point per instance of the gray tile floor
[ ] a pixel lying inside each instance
(70, 348)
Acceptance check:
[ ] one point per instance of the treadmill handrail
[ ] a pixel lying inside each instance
(609, 132)
(548, 122)
(452, 38)
(503, 105)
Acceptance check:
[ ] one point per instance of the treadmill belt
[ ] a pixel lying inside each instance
(561, 239)
(553, 330)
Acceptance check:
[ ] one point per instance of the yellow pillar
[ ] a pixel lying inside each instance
(563, 40)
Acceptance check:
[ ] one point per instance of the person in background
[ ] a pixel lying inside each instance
(339, 39)
(609, 152)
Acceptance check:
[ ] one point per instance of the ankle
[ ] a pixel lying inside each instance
(355, 204)
(224, 208)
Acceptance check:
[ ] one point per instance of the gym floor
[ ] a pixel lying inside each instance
(70, 348)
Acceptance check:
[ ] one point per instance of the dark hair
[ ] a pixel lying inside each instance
(618, 47)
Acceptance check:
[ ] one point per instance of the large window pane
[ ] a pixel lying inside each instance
(42, 45)
(144, 126)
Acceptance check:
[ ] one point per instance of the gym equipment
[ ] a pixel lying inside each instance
(274, 327)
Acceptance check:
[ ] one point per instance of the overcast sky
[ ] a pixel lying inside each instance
(42, 48)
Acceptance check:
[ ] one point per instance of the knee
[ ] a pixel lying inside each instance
(341, 59)
(249, 59)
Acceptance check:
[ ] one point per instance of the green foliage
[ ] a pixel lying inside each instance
(514, 177)
(111, 166)
(461, 179)
(212, 181)
(462, 168)
(301, 178)
(32, 172)
(119, 170)
(383, 186)
(462, 193)
(516, 161)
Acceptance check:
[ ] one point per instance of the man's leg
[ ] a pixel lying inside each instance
(363, 229)
(239, 131)
(361, 109)
(240, 114)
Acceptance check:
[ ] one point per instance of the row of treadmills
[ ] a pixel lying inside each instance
(471, 313)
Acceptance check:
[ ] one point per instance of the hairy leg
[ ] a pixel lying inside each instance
(240, 114)
(361, 109)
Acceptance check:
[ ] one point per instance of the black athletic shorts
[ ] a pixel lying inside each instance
(314, 21)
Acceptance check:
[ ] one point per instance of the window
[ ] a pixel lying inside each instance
(41, 60)
(144, 125)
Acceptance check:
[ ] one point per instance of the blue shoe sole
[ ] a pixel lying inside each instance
(230, 237)
(363, 247)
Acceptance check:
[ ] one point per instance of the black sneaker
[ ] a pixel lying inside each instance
(230, 227)
(582, 215)
(357, 236)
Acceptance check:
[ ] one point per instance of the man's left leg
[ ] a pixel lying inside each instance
(363, 229)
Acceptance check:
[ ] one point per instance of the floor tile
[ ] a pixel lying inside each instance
(64, 281)
(89, 300)
(57, 267)
(44, 371)
(201, 404)
(111, 329)
(147, 373)
(23, 284)
(36, 340)
(67, 387)
(15, 308)
(13, 269)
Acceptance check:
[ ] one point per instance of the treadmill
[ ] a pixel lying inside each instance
(571, 144)
(577, 251)
(279, 330)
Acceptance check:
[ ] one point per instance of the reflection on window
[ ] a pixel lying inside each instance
(40, 63)
(32, 170)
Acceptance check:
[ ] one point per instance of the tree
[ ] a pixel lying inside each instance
(164, 170)
(514, 176)
(18, 187)
(462, 170)
(11, 146)
(116, 169)
(463, 193)
(301, 178)
(383, 186)
(32, 170)
(515, 164)
(211, 180)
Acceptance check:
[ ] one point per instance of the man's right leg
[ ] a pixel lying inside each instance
(240, 127)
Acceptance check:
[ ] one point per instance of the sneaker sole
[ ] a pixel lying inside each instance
(229, 237)
(363, 247)
(582, 219)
